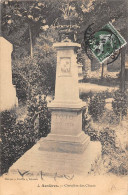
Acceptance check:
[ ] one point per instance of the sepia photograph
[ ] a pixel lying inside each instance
(64, 97)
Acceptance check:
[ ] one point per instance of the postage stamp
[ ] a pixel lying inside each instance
(105, 42)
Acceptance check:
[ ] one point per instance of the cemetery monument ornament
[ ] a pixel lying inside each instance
(66, 109)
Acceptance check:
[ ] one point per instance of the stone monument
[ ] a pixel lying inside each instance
(8, 97)
(66, 149)
(66, 109)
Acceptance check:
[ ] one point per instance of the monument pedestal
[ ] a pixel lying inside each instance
(66, 132)
(76, 144)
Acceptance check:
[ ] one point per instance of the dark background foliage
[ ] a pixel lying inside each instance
(96, 106)
(19, 136)
(120, 103)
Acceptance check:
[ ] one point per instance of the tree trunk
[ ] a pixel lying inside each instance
(122, 78)
(31, 46)
(102, 73)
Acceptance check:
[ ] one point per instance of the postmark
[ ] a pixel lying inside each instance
(105, 43)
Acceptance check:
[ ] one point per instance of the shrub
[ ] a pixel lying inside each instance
(8, 119)
(21, 86)
(38, 107)
(120, 103)
(34, 75)
(107, 139)
(96, 106)
(114, 155)
(18, 137)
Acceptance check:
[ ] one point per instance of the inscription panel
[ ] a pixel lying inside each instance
(65, 66)
(65, 123)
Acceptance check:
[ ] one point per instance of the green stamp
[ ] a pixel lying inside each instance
(106, 42)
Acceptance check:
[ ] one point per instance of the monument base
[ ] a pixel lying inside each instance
(66, 128)
(65, 143)
(37, 162)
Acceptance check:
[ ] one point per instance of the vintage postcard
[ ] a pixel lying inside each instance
(64, 97)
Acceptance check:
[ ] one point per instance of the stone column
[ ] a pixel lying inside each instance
(8, 97)
(66, 109)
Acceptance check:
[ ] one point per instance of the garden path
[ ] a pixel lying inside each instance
(89, 87)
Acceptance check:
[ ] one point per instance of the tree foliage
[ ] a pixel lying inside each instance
(29, 25)
(37, 74)
(22, 21)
